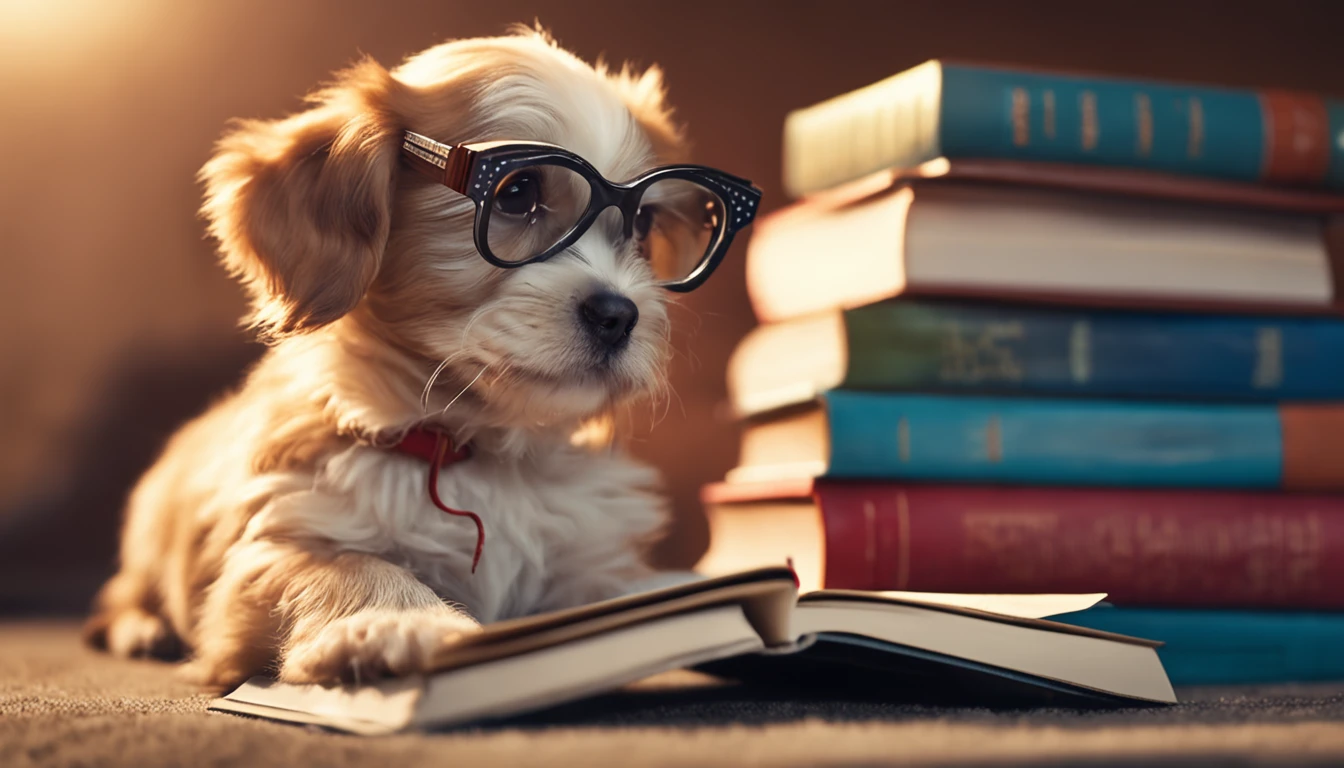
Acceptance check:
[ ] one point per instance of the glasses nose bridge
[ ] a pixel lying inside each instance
(599, 220)
(622, 199)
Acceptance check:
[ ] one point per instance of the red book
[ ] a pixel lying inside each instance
(1157, 548)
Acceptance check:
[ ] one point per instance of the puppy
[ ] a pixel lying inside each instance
(279, 531)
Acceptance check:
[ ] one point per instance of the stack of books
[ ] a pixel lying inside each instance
(1040, 333)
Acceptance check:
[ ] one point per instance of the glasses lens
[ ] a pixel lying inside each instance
(678, 226)
(533, 208)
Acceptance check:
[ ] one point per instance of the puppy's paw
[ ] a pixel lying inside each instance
(215, 673)
(133, 632)
(373, 644)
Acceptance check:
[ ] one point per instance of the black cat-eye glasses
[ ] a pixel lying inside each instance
(534, 200)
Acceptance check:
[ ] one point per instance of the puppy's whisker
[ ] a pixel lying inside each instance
(429, 385)
(433, 379)
(662, 392)
(459, 395)
(502, 377)
(471, 322)
(681, 405)
(694, 315)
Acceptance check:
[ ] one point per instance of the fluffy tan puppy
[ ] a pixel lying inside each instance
(277, 531)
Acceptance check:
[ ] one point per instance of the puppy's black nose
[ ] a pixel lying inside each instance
(609, 317)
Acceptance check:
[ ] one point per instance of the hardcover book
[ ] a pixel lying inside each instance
(950, 110)
(1188, 549)
(528, 664)
(1231, 647)
(944, 238)
(1030, 441)
(1095, 179)
(1023, 349)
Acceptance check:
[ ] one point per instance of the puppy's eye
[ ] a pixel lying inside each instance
(519, 194)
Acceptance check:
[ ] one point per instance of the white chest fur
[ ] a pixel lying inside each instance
(560, 528)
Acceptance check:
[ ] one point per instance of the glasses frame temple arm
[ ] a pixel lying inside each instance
(444, 163)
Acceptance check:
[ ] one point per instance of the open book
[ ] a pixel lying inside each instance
(753, 623)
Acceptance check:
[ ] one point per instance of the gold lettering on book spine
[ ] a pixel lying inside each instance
(994, 440)
(1080, 351)
(1048, 103)
(1143, 111)
(870, 540)
(1268, 358)
(903, 541)
(1015, 545)
(980, 353)
(1091, 129)
(1021, 117)
(1194, 146)
(1260, 556)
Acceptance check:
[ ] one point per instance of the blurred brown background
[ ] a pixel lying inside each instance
(117, 324)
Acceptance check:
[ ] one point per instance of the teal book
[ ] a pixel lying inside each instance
(1021, 349)
(1032, 441)
(949, 110)
(1230, 647)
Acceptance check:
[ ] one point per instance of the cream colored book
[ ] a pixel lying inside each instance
(746, 624)
(876, 241)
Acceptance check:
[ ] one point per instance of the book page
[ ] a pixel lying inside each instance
(766, 594)
(1017, 606)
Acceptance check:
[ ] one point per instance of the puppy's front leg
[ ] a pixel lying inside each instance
(323, 618)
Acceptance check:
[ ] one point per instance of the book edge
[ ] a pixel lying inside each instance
(227, 704)
(1029, 678)
(1043, 625)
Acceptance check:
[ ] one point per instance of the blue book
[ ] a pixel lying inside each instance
(948, 110)
(1230, 647)
(949, 346)
(867, 435)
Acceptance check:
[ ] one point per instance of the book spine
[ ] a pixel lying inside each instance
(1270, 136)
(1072, 442)
(1228, 647)
(893, 122)
(1027, 350)
(1028, 116)
(1146, 548)
(1267, 136)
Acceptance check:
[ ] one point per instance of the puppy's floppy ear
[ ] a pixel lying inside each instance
(301, 206)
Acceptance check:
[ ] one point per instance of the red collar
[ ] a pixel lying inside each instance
(424, 443)
(437, 448)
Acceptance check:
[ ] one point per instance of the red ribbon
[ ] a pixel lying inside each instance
(438, 449)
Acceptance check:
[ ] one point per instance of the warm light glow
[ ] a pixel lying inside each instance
(939, 166)
(597, 432)
(44, 28)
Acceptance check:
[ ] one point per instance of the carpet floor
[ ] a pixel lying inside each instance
(64, 705)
